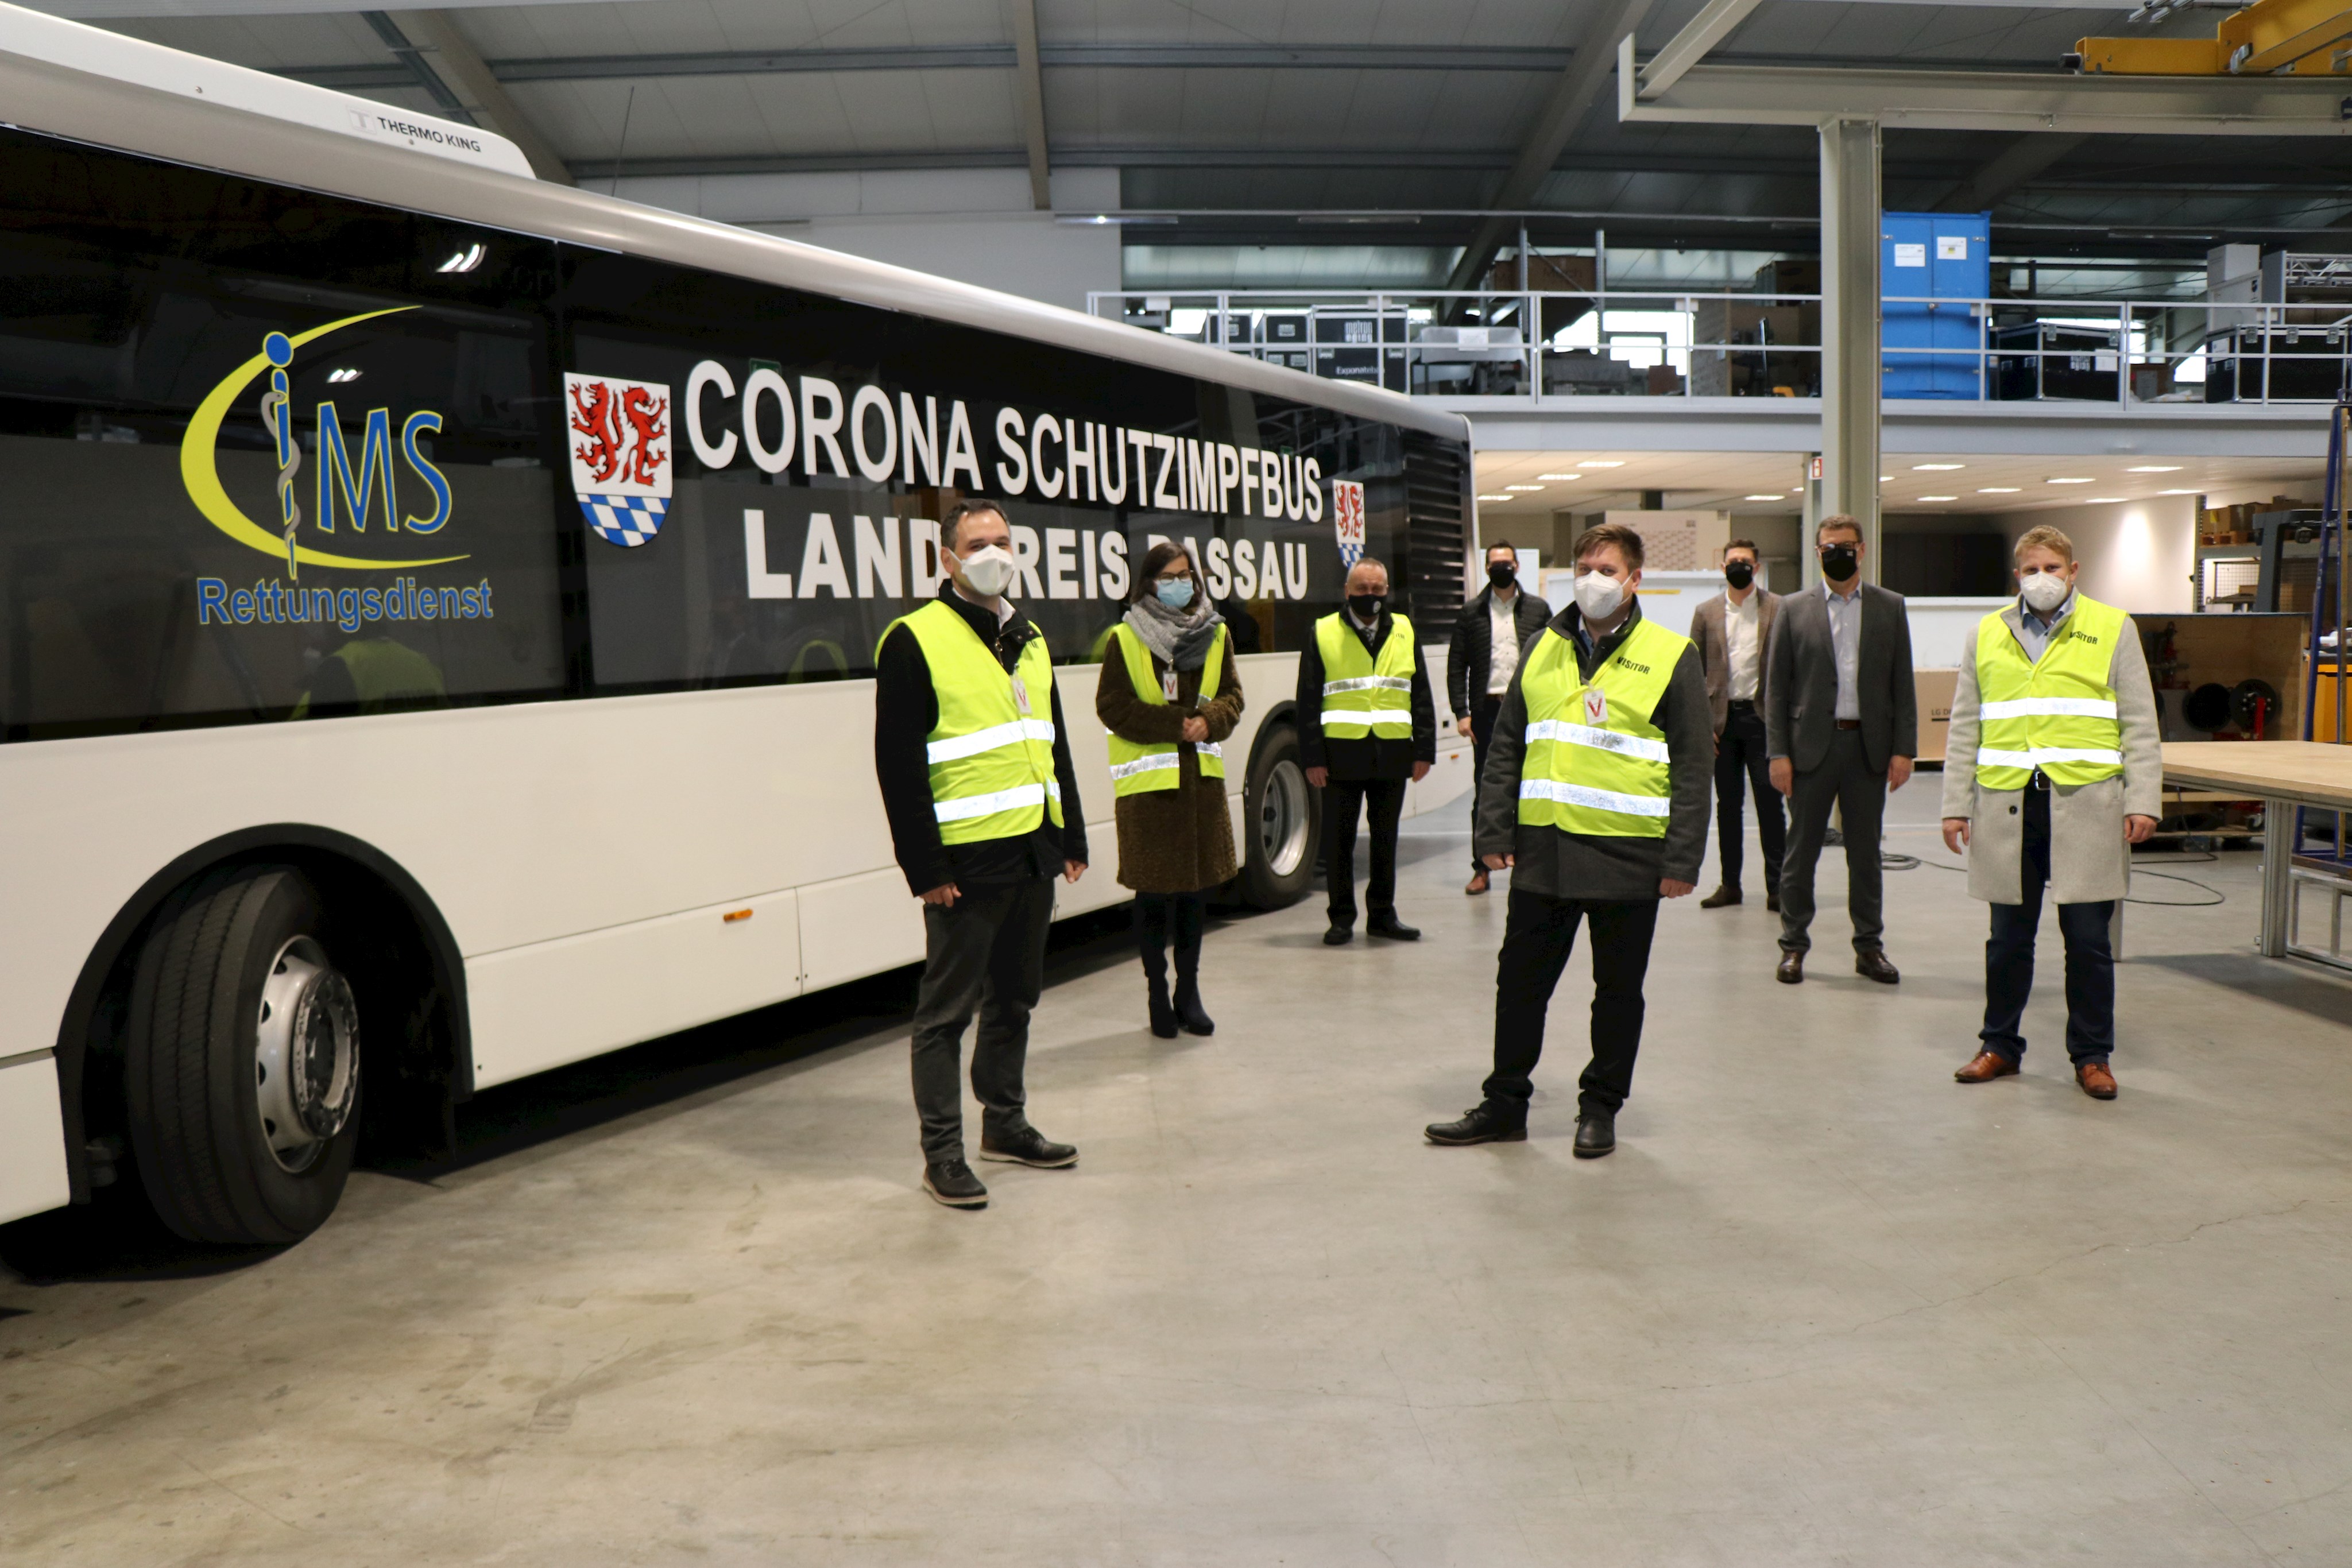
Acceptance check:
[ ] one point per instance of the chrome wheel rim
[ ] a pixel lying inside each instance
(306, 1055)
(1282, 818)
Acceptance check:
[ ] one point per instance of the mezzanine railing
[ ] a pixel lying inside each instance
(1541, 345)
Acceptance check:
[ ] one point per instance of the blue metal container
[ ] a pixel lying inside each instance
(1925, 259)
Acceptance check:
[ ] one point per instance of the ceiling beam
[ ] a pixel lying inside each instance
(1714, 23)
(1565, 109)
(972, 56)
(410, 69)
(2008, 169)
(1990, 100)
(1029, 94)
(445, 51)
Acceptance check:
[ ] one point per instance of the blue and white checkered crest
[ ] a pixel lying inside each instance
(625, 520)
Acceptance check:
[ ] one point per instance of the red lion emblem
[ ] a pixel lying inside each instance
(619, 438)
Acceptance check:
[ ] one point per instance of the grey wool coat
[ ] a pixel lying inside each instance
(2089, 861)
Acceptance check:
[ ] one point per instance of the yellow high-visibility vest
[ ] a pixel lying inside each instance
(1595, 762)
(2056, 713)
(1136, 768)
(1362, 697)
(991, 765)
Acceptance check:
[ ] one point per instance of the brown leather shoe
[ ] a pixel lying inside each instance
(1984, 1067)
(1721, 898)
(1874, 966)
(1476, 884)
(1792, 970)
(2096, 1080)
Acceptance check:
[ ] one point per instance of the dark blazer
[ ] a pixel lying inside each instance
(1801, 681)
(1369, 756)
(1470, 660)
(1713, 645)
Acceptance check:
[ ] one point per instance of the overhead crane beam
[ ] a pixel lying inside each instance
(2302, 37)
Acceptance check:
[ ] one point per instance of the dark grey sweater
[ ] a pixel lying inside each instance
(1557, 864)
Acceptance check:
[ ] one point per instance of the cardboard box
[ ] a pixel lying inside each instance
(1935, 689)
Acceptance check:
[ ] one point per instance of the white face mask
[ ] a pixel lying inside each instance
(1598, 595)
(2044, 592)
(988, 571)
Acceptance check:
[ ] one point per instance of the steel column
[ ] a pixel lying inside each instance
(1850, 348)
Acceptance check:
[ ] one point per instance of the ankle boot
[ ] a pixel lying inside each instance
(1194, 1018)
(1153, 944)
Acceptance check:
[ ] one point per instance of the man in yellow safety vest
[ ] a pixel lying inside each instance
(1595, 794)
(2053, 770)
(1367, 725)
(974, 761)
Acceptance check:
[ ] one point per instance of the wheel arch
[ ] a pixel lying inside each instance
(338, 863)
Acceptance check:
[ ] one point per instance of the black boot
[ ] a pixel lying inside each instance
(1152, 944)
(1190, 1014)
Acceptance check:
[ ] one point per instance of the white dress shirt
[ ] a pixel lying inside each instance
(1742, 623)
(1845, 638)
(1503, 630)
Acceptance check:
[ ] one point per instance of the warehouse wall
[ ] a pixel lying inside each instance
(2135, 555)
(973, 225)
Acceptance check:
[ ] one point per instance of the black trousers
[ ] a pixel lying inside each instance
(1740, 766)
(1483, 711)
(985, 953)
(1536, 940)
(2009, 957)
(1342, 800)
(1844, 780)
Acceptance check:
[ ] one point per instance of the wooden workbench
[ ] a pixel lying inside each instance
(2282, 775)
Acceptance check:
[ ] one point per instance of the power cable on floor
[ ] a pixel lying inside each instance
(1909, 863)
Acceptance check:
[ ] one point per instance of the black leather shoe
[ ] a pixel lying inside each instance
(1773, 902)
(1484, 1123)
(1389, 926)
(1872, 966)
(1792, 971)
(1721, 898)
(1026, 1147)
(1338, 937)
(1596, 1134)
(951, 1182)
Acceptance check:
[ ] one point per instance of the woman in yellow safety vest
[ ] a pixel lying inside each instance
(1170, 696)
(2053, 772)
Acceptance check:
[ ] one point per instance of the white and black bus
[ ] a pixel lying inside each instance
(439, 609)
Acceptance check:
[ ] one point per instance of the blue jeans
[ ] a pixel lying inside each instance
(2009, 957)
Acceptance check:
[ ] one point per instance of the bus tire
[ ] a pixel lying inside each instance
(1281, 817)
(242, 1064)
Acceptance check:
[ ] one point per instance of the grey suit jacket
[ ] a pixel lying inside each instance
(1714, 646)
(1801, 681)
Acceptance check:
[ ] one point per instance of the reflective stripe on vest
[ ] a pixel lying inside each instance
(991, 766)
(2056, 713)
(1357, 690)
(1136, 768)
(1602, 773)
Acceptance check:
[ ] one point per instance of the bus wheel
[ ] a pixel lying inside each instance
(243, 1060)
(1279, 815)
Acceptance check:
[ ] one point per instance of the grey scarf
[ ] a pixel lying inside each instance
(1181, 638)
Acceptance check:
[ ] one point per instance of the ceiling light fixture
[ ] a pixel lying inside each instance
(1599, 462)
(1565, 478)
(2102, 500)
(1527, 488)
(1996, 490)
(2177, 491)
(1939, 498)
(1936, 467)
(1494, 497)
(2154, 468)
(1774, 497)
(2069, 481)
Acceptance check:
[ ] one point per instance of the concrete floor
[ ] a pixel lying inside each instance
(1822, 1306)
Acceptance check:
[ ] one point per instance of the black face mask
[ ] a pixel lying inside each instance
(1739, 573)
(1839, 562)
(1502, 573)
(1367, 606)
